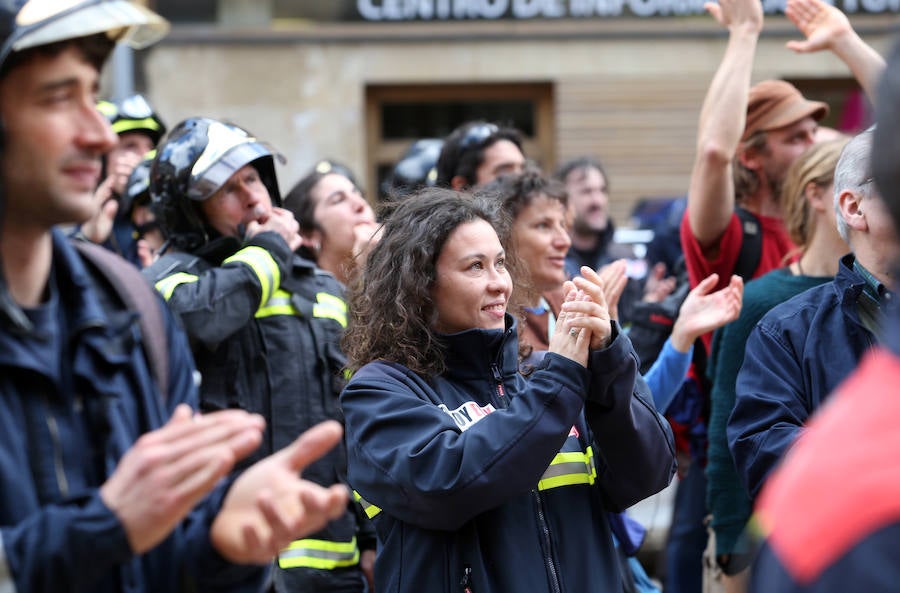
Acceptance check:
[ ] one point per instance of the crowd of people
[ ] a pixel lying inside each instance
(463, 389)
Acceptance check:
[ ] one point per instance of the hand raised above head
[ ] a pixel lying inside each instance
(821, 24)
(746, 14)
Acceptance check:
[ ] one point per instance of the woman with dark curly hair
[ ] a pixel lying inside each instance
(477, 479)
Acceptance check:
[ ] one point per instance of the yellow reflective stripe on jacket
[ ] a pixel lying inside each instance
(330, 307)
(263, 265)
(370, 509)
(568, 469)
(319, 553)
(167, 285)
(279, 304)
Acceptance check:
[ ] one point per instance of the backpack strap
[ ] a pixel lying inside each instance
(751, 245)
(138, 296)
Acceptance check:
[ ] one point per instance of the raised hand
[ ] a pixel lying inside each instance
(613, 281)
(168, 471)
(703, 312)
(658, 286)
(746, 14)
(821, 24)
(269, 505)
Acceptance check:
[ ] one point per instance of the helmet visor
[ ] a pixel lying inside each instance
(41, 22)
(229, 149)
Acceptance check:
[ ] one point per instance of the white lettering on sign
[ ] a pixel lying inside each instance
(443, 10)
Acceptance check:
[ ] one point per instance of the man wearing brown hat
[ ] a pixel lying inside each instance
(744, 153)
(747, 139)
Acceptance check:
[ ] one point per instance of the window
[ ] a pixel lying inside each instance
(397, 115)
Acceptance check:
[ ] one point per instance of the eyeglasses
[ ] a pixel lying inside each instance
(477, 134)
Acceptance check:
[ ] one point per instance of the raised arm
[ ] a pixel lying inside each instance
(711, 198)
(826, 27)
(215, 303)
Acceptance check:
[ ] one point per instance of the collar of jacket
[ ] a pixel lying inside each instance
(84, 313)
(474, 353)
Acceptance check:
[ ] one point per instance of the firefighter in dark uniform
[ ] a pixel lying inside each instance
(263, 322)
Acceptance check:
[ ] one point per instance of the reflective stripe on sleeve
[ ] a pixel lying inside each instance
(319, 553)
(263, 265)
(167, 285)
(279, 304)
(330, 307)
(568, 469)
(370, 509)
(327, 307)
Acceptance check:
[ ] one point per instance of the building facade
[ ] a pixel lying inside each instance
(358, 81)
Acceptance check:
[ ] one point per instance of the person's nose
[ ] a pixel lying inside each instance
(498, 281)
(249, 197)
(359, 203)
(95, 132)
(561, 238)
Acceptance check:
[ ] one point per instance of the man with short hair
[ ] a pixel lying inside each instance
(107, 485)
(592, 228)
(478, 152)
(830, 511)
(803, 348)
(265, 324)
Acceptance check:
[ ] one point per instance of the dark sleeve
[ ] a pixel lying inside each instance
(871, 565)
(770, 408)
(408, 457)
(635, 443)
(215, 303)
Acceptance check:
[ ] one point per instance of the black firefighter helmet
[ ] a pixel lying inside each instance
(192, 162)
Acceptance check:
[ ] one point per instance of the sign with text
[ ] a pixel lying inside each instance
(456, 10)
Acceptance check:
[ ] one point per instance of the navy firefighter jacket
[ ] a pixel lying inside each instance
(480, 480)
(75, 394)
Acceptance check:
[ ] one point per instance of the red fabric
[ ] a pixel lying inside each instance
(840, 481)
(776, 245)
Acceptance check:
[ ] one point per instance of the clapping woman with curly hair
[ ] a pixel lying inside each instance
(477, 479)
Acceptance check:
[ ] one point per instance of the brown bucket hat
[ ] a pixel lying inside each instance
(775, 103)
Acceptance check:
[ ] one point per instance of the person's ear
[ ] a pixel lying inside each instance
(751, 158)
(458, 183)
(818, 199)
(850, 203)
